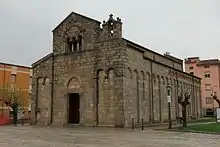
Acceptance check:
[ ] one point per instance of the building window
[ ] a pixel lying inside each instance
(207, 75)
(209, 100)
(13, 79)
(192, 73)
(79, 39)
(190, 67)
(207, 87)
(206, 66)
(74, 43)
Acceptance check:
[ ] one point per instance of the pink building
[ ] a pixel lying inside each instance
(209, 72)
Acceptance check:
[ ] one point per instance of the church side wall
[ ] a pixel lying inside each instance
(41, 92)
(137, 88)
(145, 90)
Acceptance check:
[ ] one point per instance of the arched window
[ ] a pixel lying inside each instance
(69, 45)
(79, 42)
(74, 44)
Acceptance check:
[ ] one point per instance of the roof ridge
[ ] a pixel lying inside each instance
(75, 14)
(42, 59)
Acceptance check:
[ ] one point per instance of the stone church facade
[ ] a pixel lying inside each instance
(96, 77)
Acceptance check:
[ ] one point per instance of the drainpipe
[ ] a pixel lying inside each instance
(52, 89)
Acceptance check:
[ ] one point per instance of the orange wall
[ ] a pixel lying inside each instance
(23, 75)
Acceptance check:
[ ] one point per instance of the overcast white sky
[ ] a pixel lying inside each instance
(182, 27)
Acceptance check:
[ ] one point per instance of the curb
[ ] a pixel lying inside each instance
(188, 131)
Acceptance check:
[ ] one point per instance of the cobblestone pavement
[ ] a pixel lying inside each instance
(100, 137)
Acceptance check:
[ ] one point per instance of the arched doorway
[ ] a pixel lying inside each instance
(73, 101)
(74, 108)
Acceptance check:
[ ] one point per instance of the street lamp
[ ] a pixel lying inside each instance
(169, 103)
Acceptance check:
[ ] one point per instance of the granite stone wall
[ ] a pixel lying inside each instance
(117, 80)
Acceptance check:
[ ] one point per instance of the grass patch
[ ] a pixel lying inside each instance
(213, 127)
(203, 120)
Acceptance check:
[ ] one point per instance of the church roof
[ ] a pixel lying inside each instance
(74, 13)
(42, 59)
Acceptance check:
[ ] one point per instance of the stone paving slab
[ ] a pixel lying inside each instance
(28, 136)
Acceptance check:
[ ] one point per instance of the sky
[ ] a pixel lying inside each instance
(185, 28)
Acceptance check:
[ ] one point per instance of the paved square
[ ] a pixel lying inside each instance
(100, 137)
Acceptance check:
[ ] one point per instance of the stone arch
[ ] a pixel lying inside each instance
(153, 78)
(142, 75)
(98, 71)
(129, 73)
(148, 74)
(110, 69)
(80, 41)
(162, 80)
(136, 74)
(148, 78)
(111, 73)
(40, 80)
(101, 75)
(171, 81)
(73, 83)
(46, 81)
(158, 79)
(167, 81)
(174, 82)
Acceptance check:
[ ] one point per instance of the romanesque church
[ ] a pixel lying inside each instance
(96, 77)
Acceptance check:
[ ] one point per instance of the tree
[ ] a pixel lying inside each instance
(184, 102)
(216, 99)
(11, 97)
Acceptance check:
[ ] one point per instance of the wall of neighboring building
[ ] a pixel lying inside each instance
(209, 73)
(19, 77)
(41, 91)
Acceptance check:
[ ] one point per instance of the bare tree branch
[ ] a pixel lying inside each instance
(184, 102)
(12, 97)
(216, 99)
